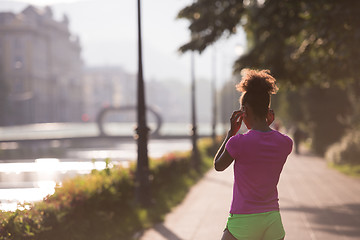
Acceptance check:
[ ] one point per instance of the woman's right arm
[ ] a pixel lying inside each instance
(223, 159)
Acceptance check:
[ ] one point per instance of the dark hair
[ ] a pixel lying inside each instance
(257, 87)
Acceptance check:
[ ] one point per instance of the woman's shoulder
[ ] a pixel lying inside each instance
(284, 137)
(237, 137)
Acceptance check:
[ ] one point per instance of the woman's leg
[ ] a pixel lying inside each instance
(227, 235)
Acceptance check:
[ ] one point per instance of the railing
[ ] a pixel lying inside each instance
(102, 114)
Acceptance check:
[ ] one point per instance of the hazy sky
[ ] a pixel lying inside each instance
(108, 33)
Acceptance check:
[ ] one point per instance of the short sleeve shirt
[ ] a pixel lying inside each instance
(259, 160)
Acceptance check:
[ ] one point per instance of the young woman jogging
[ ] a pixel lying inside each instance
(259, 156)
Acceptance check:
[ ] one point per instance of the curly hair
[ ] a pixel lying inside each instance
(257, 87)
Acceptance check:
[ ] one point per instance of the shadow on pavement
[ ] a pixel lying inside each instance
(326, 219)
(165, 232)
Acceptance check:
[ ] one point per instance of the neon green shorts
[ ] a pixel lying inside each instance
(257, 226)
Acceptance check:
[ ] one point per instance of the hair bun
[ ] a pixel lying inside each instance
(257, 82)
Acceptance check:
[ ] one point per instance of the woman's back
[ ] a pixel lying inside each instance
(259, 159)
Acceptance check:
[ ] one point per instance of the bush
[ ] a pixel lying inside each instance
(101, 205)
(319, 112)
(346, 151)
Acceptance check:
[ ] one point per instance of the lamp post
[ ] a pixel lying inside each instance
(142, 169)
(213, 89)
(194, 136)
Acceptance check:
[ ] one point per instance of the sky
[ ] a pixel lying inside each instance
(108, 35)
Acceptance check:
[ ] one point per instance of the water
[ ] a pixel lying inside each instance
(64, 130)
(33, 180)
(30, 180)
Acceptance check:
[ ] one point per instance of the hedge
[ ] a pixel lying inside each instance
(345, 155)
(101, 205)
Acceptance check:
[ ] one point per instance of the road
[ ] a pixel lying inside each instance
(317, 203)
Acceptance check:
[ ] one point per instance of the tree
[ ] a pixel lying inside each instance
(301, 41)
(310, 46)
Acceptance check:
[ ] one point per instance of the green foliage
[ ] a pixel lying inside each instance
(301, 42)
(210, 19)
(346, 152)
(209, 148)
(324, 110)
(289, 105)
(321, 113)
(101, 205)
(348, 169)
(309, 46)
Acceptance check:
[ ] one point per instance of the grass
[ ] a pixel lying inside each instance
(347, 169)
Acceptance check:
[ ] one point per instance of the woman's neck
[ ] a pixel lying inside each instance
(260, 125)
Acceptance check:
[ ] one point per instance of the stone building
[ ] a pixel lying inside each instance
(40, 69)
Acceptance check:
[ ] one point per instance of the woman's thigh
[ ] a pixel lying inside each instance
(275, 231)
(227, 235)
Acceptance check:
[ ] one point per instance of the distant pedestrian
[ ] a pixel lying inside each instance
(259, 155)
(298, 137)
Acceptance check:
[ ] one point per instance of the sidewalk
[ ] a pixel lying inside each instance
(316, 202)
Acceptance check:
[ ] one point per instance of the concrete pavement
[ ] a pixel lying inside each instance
(317, 203)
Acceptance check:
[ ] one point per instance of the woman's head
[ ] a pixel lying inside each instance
(257, 86)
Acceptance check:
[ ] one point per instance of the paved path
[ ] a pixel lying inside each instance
(317, 203)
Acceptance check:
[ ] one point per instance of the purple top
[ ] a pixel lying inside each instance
(259, 159)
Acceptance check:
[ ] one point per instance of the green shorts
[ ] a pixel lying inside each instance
(257, 226)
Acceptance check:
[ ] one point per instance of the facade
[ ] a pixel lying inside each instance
(108, 86)
(40, 69)
(42, 78)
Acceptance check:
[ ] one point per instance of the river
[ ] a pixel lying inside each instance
(30, 180)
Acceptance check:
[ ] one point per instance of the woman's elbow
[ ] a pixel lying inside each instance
(218, 168)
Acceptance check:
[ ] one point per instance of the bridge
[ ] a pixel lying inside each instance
(105, 111)
(52, 131)
(34, 138)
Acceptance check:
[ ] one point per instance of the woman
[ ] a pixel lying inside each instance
(259, 157)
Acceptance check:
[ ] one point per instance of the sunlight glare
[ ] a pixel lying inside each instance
(46, 187)
(47, 164)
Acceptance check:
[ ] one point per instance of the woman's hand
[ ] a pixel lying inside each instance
(235, 122)
(270, 117)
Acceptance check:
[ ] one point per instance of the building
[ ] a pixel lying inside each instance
(106, 86)
(40, 68)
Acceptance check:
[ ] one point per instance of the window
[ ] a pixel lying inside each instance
(18, 62)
